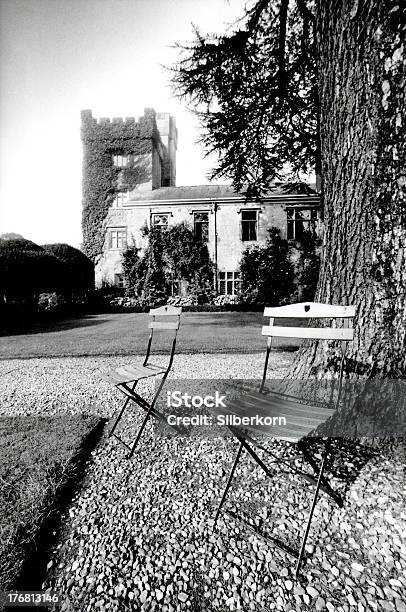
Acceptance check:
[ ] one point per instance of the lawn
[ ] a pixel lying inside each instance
(40, 459)
(127, 334)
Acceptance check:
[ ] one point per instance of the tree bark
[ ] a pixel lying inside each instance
(362, 114)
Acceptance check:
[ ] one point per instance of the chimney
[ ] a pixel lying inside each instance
(166, 125)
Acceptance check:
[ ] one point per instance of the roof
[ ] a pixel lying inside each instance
(188, 192)
(199, 192)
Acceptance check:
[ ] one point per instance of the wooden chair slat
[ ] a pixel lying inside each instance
(301, 419)
(293, 406)
(164, 325)
(290, 432)
(168, 310)
(289, 402)
(130, 373)
(291, 409)
(320, 333)
(311, 310)
(250, 407)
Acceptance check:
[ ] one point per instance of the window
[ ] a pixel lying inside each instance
(160, 221)
(119, 280)
(122, 197)
(201, 225)
(229, 283)
(248, 225)
(122, 161)
(301, 221)
(118, 238)
(174, 283)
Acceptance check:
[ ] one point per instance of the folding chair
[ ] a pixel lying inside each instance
(301, 418)
(126, 378)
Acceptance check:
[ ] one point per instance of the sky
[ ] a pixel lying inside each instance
(58, 57)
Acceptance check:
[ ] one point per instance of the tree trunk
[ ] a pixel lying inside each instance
(362, 85)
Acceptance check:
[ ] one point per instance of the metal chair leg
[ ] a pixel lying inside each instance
(119, 417)
(141, 429)
(236, 460)
(309, 521)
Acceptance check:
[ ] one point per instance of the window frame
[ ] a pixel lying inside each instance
(160, 226)
(121, 198)
(244, 223)
(229, 279)
(117, 235)
(121, 160)
(119, 282)
(175, 284)
(201, 223)
(292, 221)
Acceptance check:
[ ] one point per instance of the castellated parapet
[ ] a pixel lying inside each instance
(158, 128)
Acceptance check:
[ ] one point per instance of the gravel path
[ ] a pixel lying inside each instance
(138, 535)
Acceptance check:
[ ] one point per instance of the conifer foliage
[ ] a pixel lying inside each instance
(254, 89)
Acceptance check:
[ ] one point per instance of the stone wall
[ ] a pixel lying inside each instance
(225, 215)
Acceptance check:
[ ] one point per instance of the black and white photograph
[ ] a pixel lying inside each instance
(203, 305)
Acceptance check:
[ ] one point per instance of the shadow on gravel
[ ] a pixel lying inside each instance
(348, 457)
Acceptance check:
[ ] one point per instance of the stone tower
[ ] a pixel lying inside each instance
(122, 157)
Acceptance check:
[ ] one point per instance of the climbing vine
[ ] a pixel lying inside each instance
(172, 254)
(101, 179)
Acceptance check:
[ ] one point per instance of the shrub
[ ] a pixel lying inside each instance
(174, 254)
(188, 259)
(226, 300)
(307, 267)
(45, 280)
(26, 269)
(79, 268)
(51, 303)
(11, 242)
(267, 275)
(134, 271)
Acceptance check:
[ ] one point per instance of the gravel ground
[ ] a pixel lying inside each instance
(139, 536)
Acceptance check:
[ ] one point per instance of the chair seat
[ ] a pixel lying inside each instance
(130, 373)
(300, 418)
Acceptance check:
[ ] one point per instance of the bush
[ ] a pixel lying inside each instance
(11, 242)
(174, 254)
(26, 269)
(51, 303)
(79, 268)
(54, 279)
(155, 286)
(223, 300)
(267, 274)
(189, 260)
(307, 268)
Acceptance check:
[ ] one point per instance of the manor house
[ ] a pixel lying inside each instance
(219, 216)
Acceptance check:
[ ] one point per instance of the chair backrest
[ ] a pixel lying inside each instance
(164, 318)
(310, 310)
(165, 311)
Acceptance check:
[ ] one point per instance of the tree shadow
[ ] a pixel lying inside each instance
(347, 458)
(28, 328)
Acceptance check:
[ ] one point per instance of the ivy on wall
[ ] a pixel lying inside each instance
(101, 179)
(176, 253)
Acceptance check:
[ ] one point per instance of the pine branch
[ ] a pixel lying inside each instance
(283, 14)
